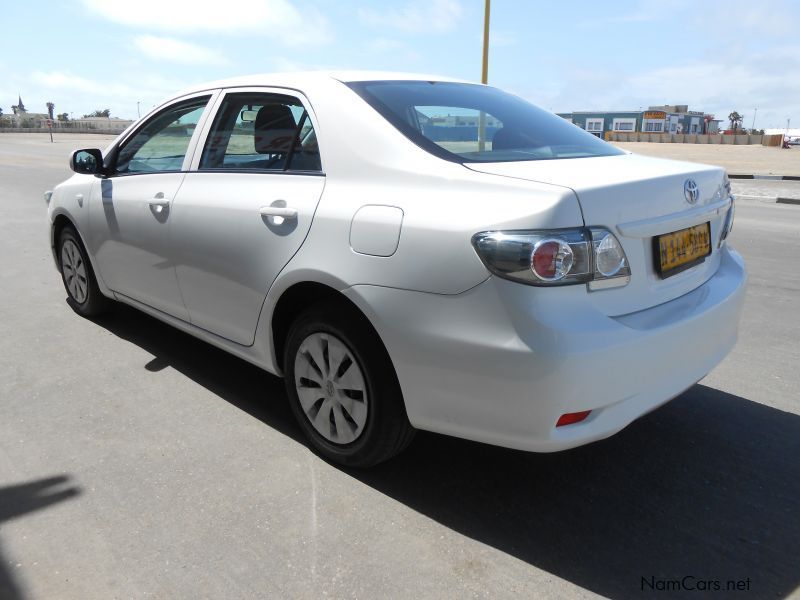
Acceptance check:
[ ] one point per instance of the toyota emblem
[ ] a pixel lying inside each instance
(690, 191)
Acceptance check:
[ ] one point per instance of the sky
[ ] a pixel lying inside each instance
(715, 55)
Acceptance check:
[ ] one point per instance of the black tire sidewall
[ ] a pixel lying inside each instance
(95, 301)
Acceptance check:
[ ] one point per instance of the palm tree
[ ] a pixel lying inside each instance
(50, 108)
(735, 118)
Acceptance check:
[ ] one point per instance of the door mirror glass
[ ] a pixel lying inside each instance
(88, 161)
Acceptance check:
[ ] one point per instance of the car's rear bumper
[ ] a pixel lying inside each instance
(502, 362)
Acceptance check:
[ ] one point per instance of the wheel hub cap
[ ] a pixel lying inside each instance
(74, 271)
(331, 388)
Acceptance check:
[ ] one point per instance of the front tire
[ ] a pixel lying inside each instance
(83, 294)
(342, 388)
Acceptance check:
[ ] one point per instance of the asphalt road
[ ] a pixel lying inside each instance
(137, 462)
(765, 189)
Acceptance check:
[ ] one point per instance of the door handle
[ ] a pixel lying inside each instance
(285, 212)
(158, 203)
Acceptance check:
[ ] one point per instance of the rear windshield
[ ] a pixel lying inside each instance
(466, 122)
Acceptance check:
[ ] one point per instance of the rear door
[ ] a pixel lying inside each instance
(245, 207)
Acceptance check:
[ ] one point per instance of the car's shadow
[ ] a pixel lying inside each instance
(708, 487)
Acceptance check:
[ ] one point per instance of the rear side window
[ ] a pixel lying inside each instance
(261, 132)
(465, 122)
(160, 145)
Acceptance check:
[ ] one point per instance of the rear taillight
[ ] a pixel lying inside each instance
(552, 260)
(555, 257)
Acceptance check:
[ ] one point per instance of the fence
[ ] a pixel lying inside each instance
(690, 138)
(39, 125)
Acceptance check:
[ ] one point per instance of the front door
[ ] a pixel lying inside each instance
(244, 212)
(130, 211)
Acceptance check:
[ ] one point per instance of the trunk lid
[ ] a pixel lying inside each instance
(638, 198)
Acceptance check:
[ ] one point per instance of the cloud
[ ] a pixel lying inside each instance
(274, 18)
(172, 50)
(87, 94)
(598, 22)
(417, 16)
(718, 86)
(390, 48)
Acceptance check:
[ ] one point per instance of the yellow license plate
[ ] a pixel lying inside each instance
(680, 250)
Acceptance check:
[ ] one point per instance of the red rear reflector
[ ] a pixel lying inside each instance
(570, 418)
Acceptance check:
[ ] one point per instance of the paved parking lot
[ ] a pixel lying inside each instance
(742, 160)
(138, 462)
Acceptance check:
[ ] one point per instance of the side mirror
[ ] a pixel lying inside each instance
(88, 161)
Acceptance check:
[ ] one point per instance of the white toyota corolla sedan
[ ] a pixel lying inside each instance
(410, 252)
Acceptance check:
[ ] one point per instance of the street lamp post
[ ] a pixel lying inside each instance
(755, 112)
(139, 114)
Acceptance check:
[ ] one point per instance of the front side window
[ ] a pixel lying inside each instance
(161, 144)
(261, 132)
(465, 122)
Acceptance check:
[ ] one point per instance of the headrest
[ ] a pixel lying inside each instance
(508, 139)
(274, 129)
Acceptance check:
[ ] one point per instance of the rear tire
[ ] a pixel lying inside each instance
(343, 389)
(83, 294)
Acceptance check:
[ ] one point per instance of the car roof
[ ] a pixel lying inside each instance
(304, 79)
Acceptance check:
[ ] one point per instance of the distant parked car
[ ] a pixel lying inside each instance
(410, 253)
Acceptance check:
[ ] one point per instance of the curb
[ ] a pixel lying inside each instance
(768, 199)
(774, 177)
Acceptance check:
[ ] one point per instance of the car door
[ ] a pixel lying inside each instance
(130, 210)
(245, 207)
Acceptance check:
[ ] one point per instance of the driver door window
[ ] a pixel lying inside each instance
(160, 146)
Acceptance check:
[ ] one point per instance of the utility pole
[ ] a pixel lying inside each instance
(137, 110)
(485, 70)
(755, 112)
(484, 77)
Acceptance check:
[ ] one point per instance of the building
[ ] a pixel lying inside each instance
(656, 119)
(19, 107)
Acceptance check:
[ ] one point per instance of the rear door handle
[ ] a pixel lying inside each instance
(159, 202)
(285, 212)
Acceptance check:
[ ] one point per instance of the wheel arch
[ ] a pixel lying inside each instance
(297, 298)
(60, 221)
(63, 219)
